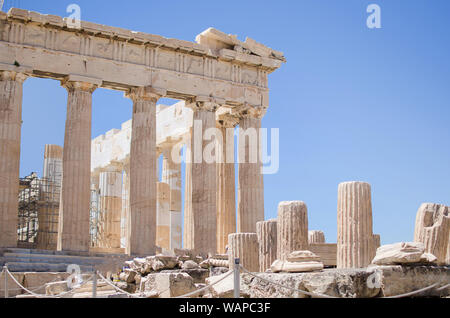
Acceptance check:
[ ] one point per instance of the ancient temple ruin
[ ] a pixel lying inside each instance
(221, 81)
(102, 205)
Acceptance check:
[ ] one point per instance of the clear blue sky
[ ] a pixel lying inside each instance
(351, 103)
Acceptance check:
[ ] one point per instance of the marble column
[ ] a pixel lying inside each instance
(250, 182)
(355, 242)
(245, 247)
(292, 228)
(11, 87)
(226, 193)
(143, 172)
(48, 216)
(171, 175)
(188, 237)
(432, 228)
(163, 216)
(202, 235)
(267, 239)
(125, 206)
(110, 208)
(74, 215)
(316, 237)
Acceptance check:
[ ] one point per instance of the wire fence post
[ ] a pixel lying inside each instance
(94, 285)
(237, 278)
(5, 274)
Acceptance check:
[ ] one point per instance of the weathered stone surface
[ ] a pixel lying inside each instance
(298, 261)
(292, 228)
(171, 174)
(350, 283)
(211, 262)
(245, 247)
(315, 237)
(128, 287)
(295, 267)
(447, 257)
(160, 262)
(404, 279)
(143, 175)
(200, 213)
(198, 274)
(110, 186)
(355, 247)
(152, 263)
(73, 227)
(326, 251)
(184, 254)
(219, 256)
(225, 288)
(250, 178)
(34, 280)
(163, 216)
(169, 284)
(214, 271)
(56, 288)
(13, 289)
(402, 253)
(53, 288)
(433, 229)
(128, 275)
(226, 193)
(190, 265)
(267, 240)
(11, 88)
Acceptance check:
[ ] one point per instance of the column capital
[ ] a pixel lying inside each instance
(81, 83)
(205, 103)
(249, 111)
(227, 121)
(13, 76)
(145, 93)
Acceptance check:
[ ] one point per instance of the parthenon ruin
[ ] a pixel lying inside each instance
(221, 81)
(103, 205)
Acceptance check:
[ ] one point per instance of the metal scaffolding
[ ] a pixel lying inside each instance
(38, 213)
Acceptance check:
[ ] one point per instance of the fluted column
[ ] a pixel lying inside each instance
(202, 236)
(188, 233)
(48, 216)
(433, 229)
(315, 237)
(250, 182)
(447, 255)
(110, 208)
(163, 216)
(171, 175)
(143, 173)
(73, 234)
(226, 193)
(292, 229)
(245, 247)
(355, 238)
(125, 207)
(11, 87)
(267, 239)
(376, 243)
